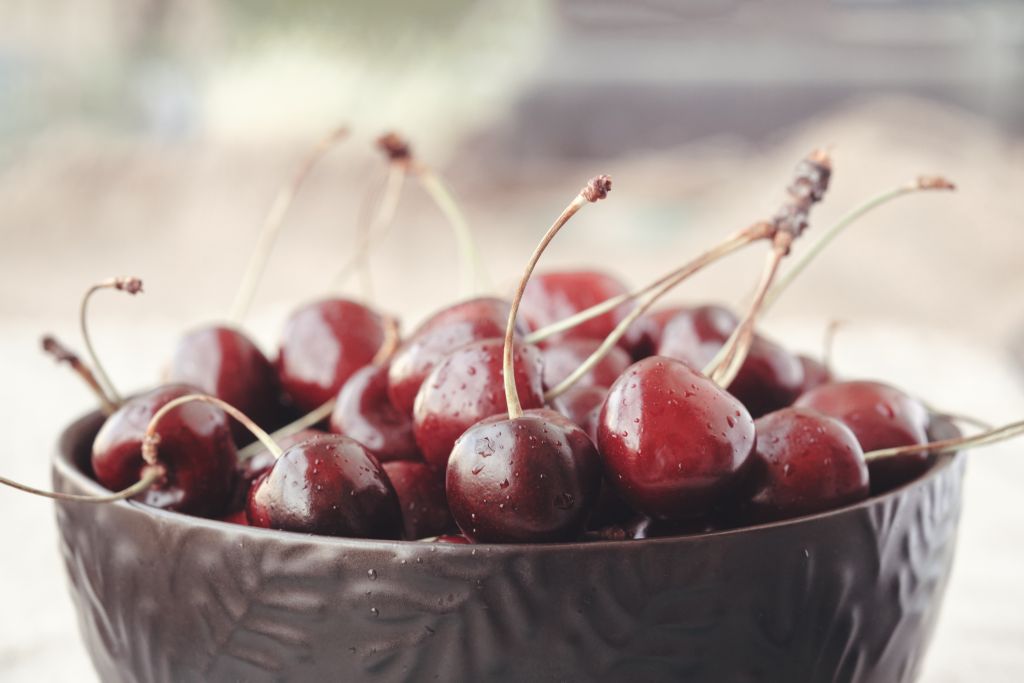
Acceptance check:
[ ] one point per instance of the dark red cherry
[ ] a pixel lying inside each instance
(770, 378)
(582, 405)
(421, 495)
(466, 387)
(880, 416)
(529, 479)
(644, 336)
(223, 362)
(815, 373)
(435, 338)
(552, 296)
(195, 446)
(364, 413)
(805, 462)
(253, 467)
(323, 344)
(561, 358)
(672, 441)
(329, 485)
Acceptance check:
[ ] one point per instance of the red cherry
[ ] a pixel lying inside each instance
(253, 467)
(552, 296)
(644, 336)
(329, 485)
(769, 379)
(805, 462)
(528, 479)
(364, 412)
(195, 446)
(422, 498)
(467, 387)
(672, 441)
(323, 344)
(224, 362)
(880, 416)
(582, 406)
(561, 358)
(816, 373)
(436, 337)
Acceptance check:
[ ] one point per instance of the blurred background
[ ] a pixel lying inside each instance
(150, 137)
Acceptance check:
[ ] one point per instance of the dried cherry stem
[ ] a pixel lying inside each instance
(751, 234)
(985, 438)
(63, 354)
(151, 440)
(150, 475)
(597, 189)
(392, 338)
(131, 285)
(790, 221)
(272, 224)
(921, 184)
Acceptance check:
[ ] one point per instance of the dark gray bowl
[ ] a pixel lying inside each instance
(849, 595)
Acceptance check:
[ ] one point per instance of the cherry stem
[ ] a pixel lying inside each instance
(922, 183)
(597, 189)
(985, 438)
(150, 476)
(392, 337)
(828, 344)
(740, 239)
(63, 354)
(151, 439)
(272, 224)
(131, 285)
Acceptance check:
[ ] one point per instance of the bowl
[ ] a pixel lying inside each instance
(848, 595)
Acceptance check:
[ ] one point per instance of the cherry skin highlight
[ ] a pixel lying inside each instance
(552, 296)
(255, 466)
(435, 338)
(421, 495)
(467, 387)
(323, 344)
(673, 442)
(804, 462)
(880, 416)
(329, 485)
(562, 357)
(365, 413)
(223, 362)
(534, 478)
(196, 447)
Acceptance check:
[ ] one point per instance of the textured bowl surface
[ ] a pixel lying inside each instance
(849, 595)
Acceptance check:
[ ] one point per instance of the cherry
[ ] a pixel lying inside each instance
(364, 413)
(196, 452)
(673, 443)
(644, 336)
(770, 377)
(466, 388)
(804, 462)
(448, 329)
(526, 476)
(260, 461)
(323, 344)
(552, 296)
(816, 373)
(881, 417)
(561, 358)
(421, 495)
(222, 361)
(582, 405)
(328, 485)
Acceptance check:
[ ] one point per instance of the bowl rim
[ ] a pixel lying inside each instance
(62, 465)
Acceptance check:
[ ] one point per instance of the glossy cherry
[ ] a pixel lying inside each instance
(644, 336)
(562, 357)
(582, 406)
(329, 485)
(529, 479)
(880, 416)
(365, 413)
(552, 296)
(323, 344)
(769, 379)
(436, 337)
(421, 495)
(804, 462)
(196, 448)
(673, 442)
(252, 468)
(222, 361)
(466, 387)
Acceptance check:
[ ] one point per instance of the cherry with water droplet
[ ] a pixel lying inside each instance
(364, 412)
(421, 495)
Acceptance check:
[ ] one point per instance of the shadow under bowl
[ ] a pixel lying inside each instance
(848, 595)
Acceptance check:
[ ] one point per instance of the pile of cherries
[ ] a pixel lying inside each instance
(452, 432)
